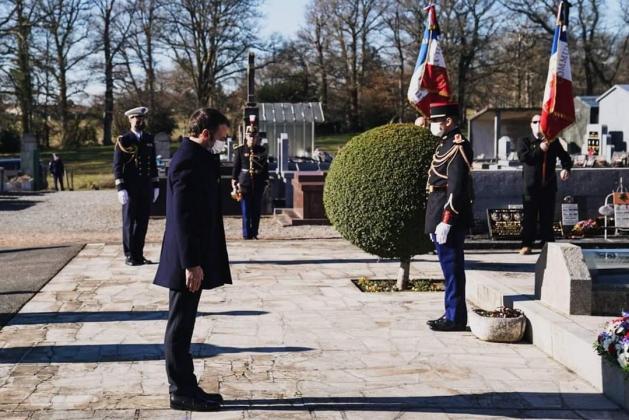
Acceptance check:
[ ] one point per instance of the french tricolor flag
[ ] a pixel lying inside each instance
(558, 104)
(430, 78)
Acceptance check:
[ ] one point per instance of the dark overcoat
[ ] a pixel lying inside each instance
(194, 234)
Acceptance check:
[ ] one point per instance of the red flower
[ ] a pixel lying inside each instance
(612, 350)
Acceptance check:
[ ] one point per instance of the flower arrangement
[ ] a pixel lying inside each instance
(584, 227)
(613, 342)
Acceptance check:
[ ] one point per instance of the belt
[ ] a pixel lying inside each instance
(255, 171)
(433, 188)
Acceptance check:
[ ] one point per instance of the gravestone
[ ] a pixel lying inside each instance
(563, 280)
(162, 145)
(29, 159)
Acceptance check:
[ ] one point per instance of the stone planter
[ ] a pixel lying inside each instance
(501, 330)
(615, 383)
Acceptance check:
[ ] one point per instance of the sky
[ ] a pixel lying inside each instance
(283, 16)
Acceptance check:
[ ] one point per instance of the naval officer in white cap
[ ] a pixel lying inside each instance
(135, 173)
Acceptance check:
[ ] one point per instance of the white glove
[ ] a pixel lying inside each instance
(441, 233)
(544, 146)
(155, 194)
(123, 197)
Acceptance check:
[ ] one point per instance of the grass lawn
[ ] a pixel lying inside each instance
(332, 143)
(92, 165)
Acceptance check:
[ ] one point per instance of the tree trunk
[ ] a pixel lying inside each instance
(24, 86)
(403, 274)
(108, 116)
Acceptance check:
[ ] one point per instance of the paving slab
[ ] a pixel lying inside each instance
(278, 343)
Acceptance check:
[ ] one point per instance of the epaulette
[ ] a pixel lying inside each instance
(458, 139)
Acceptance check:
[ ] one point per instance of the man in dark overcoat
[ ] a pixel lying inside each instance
(194, 252)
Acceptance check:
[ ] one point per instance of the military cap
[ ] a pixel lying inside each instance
(141, 111)
(444, 110)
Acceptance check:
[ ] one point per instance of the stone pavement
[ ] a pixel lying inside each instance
(292, 338)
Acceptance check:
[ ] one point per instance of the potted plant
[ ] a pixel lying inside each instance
(504, 325)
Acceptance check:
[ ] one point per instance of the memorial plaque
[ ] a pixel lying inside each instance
(504, 223)
(507, 224)
(569, 214)
(621, 210)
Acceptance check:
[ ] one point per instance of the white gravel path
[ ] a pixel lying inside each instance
(94, 216)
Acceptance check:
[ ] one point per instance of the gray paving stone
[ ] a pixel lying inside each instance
(288, 340)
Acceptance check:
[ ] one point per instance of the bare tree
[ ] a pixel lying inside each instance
(314, 35)
(144, 43)
(113, 21)
(404, 22)
(209, 40)
(467, 27)
(16, 27)
(352, 22)
(65, 21)
(598, 54)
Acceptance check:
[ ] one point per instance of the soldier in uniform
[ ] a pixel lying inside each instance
(135, 173)
(449, 210)
(250, 175)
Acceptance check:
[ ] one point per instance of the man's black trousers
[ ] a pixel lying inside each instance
(135, 218)
(182, 315)
(538, 206)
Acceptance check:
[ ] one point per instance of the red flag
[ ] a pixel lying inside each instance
(429, 82)
(558, 104)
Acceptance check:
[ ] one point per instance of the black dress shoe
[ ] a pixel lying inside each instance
(432, 322)
(145, 261)
(447, 325)
(131, 261)
(194, 403)
(200, 393)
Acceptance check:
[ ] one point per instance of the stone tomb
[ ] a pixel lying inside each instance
(577, 281)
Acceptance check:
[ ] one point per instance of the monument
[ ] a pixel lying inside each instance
(29, 160)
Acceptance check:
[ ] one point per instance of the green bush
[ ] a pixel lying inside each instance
(375, 192)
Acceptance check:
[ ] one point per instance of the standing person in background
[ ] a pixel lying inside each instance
(194, 253)
(539, 159)
(250, 176)
(135, 173)
(57, 171)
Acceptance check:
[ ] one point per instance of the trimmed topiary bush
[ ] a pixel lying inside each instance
(375, 192)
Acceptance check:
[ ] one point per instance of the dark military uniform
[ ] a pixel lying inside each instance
(251, 171)
(450, 201)
(135, 170)
(540, 187)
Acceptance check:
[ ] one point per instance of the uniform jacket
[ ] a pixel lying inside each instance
(532, 157)
(134, 161)
(450, 178)
(194, 234)
(242, 166)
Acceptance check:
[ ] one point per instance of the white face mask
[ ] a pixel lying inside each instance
(436, 129)
(218, 147)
